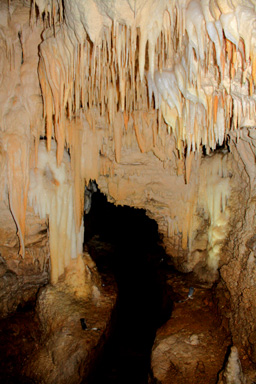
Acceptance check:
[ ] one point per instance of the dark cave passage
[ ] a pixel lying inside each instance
(152, 310)
(123, 241)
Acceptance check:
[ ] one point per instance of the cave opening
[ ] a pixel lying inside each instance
(124, 243)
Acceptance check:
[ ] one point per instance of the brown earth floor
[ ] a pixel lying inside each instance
(21, 338)
(191, 347)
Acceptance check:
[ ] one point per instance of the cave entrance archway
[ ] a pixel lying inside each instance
(124, 242)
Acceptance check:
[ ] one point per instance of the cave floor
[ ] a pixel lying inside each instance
(152, 334)
(126, 358)
(191, 346)
(189, 339)
(23, 342)
(19, 337)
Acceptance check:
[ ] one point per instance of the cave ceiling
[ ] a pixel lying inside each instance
(137, 95)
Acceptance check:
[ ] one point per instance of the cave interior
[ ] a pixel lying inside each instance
(127, 166)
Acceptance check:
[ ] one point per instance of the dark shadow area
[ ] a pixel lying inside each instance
(224, 148)
(124, 242)
(19, 334)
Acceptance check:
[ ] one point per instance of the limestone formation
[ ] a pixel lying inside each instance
(155, 102)
(233, 371)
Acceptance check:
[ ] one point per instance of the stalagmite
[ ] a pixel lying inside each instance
(232, 372)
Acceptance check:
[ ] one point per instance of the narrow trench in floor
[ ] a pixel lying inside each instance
(124, 242)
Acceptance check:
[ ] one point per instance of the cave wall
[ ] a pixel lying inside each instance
(141, 107)
(24, 240)
(238, 271)
(20, 279)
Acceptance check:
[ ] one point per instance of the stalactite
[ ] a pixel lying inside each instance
(214, 192)
(200, 80)
(189, 161)
(51, 193)
(118, 127)
(75, 137)
(126, 120)
(90, 147)
(218, 26)
(17, 149)
(140, 139)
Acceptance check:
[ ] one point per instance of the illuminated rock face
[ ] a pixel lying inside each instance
(137, 96)
(51, 194)
(20, 278)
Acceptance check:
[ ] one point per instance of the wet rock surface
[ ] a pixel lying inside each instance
(191, 347)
